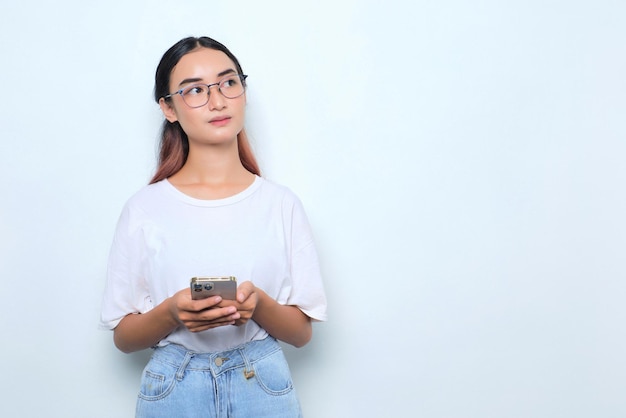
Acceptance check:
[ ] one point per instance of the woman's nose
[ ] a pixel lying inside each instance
(216, 98)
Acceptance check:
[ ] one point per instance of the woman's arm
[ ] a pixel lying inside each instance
(139, 331)
(284, 322)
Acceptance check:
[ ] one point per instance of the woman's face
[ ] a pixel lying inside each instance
(218, 121)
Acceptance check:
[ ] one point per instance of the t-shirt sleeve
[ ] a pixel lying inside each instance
(125, 291)
(307, 288)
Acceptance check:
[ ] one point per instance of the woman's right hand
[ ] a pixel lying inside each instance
(200, 315)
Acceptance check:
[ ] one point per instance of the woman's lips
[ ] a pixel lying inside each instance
(219, 121)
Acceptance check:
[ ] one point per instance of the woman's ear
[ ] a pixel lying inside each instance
(168, 111)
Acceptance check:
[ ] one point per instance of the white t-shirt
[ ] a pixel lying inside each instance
(165, 237)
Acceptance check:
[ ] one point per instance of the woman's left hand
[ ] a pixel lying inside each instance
(247, 299)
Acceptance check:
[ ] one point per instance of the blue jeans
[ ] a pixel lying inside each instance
(252, 380)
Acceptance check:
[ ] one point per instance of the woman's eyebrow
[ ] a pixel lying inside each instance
(195, 80)
(189, 80)
(229, 71)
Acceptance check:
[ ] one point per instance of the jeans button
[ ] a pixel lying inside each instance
(220, 360)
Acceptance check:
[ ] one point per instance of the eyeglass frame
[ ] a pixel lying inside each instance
(242, 77)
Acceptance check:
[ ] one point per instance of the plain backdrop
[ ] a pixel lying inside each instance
(461, 163)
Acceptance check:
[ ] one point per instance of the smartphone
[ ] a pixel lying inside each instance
(203, 287)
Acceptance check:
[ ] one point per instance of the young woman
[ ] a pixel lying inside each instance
(207, 212)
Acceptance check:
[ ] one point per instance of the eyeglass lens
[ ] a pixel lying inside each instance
(197, 95)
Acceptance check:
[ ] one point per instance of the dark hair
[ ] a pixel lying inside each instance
(174, 145)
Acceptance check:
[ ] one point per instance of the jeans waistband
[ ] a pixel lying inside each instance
(244, 355)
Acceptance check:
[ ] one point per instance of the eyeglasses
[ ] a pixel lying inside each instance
(197, 95)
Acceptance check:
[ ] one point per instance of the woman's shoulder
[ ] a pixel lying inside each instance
(147, 195)
(149, 191)
(278, 190)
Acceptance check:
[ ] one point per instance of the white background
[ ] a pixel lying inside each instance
(462, 165)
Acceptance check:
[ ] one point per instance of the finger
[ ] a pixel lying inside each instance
(200, 305)
(209, 315)
(244, 291)
(217, 321)
(204, 326)
(241, 321)
(226, 303)
(201, 325)
(215, 314)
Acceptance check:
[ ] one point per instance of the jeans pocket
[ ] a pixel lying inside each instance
(157, 381)
(273, 375)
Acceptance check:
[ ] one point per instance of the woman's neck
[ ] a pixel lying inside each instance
(213, 172)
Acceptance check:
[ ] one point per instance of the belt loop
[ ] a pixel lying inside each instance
(248, 371)
(181, 370)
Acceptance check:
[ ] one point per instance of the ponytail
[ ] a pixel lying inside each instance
(246, 155)
(173, 152)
